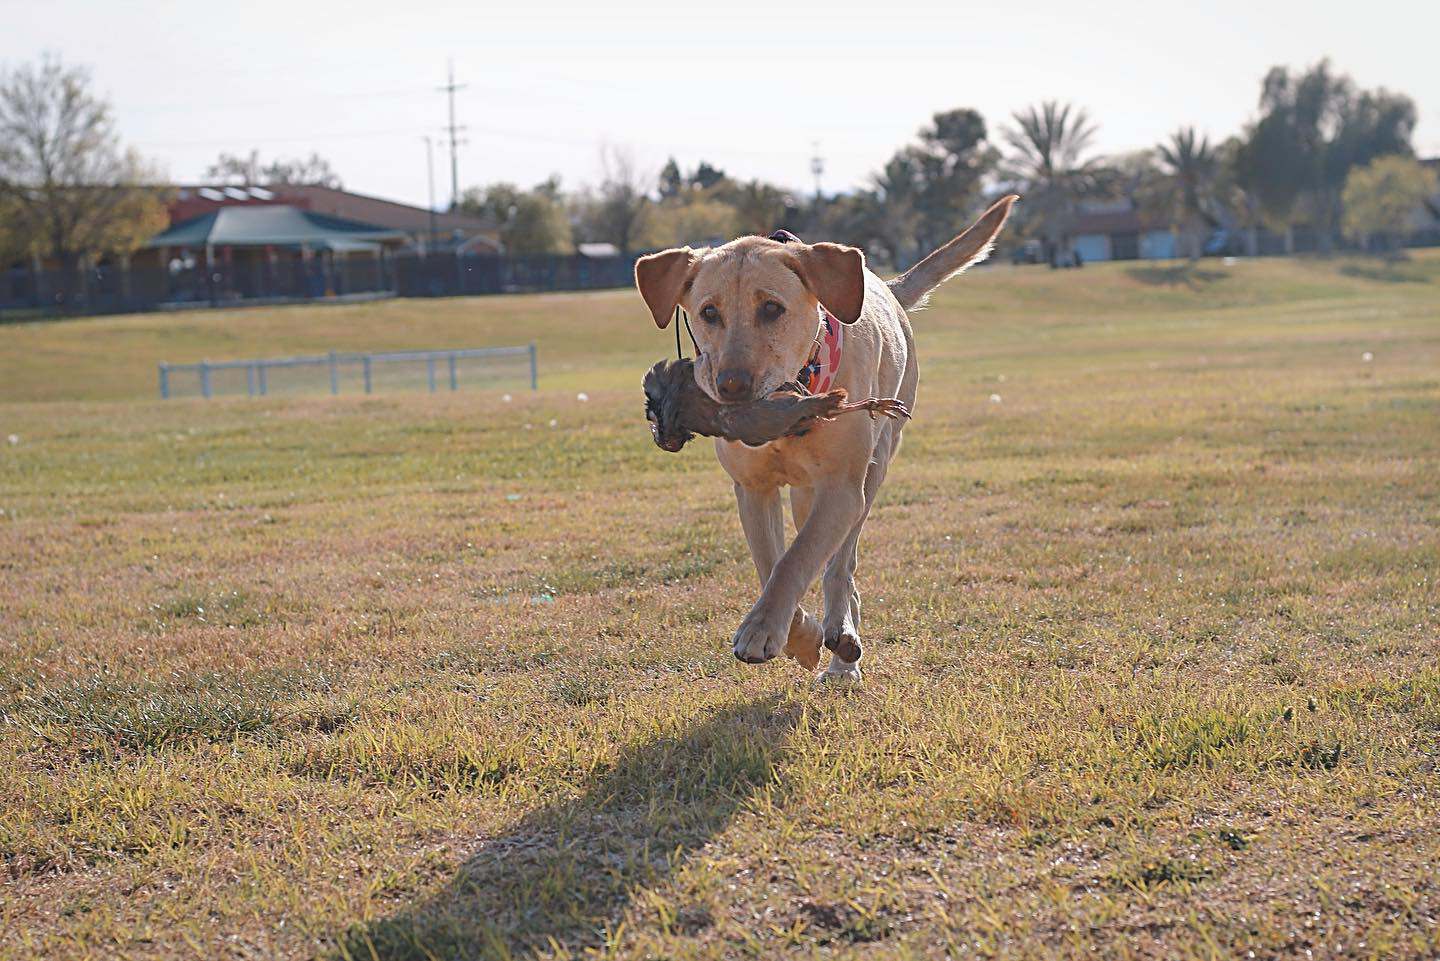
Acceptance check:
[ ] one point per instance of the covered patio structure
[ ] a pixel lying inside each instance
(271, 252)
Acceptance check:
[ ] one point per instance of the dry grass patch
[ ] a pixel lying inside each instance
(1151, 645)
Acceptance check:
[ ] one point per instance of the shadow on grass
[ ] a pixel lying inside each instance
(565, 873)
(1388, 271)
(1188, 274)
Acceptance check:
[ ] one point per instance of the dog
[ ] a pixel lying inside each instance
(764, 309)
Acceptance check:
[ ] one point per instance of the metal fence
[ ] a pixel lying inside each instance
(400, 370)
(443, 275)
(27, 294)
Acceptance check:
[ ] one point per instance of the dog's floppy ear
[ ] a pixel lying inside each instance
(660, 278)
(835, 274)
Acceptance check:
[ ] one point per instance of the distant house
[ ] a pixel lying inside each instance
(268, 251)
(426, 230)
(1111, 230)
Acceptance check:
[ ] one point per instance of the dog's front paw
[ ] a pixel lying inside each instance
(760, 638)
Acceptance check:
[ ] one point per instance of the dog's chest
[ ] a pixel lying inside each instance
(787, 462)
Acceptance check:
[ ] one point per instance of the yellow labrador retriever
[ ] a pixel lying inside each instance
(765, 309)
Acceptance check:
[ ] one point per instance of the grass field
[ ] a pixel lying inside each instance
(1151, 664)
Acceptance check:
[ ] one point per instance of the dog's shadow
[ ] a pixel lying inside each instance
(564, 874)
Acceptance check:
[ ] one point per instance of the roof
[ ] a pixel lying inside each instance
(272, 226)
(376, 210)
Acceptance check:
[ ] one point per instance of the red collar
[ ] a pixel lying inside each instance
(819, 371)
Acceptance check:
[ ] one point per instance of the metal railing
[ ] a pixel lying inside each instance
(398, 369)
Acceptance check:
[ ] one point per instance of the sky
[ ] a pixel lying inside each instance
(756, 89)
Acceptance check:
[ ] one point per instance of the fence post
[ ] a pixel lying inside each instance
(534, 369)
(334, 375)
(164, 381)
(205, 379)
(453, 381)
(430, 371)
(264, 378)
(366, 360)
(250, 378)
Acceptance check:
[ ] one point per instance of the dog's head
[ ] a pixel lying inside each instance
(753, 305)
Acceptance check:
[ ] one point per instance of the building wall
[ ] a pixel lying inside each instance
(1092, 248)
(1157, 245)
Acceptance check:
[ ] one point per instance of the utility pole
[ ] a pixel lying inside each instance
(817, 167)
(455, 140)
(430, 175)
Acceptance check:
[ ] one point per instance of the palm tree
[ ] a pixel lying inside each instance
(897, 192)
(1193, 167)
(1048, 159)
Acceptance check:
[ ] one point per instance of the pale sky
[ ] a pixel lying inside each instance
(752, 88)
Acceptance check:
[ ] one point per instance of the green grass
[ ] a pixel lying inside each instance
(1151, 666)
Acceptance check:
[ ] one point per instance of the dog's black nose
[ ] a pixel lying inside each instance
(734, 384)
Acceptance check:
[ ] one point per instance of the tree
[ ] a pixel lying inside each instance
(13, 246)
(759, 207)
(1237, 197)
(71, 190)
(857, 219)
(249, 172)
(1313, 129)
(671, 180)
(706, 176)
(539, 225)
(896, 209)
(701, 221)
(496, 202)
(612, 213)
(930, 188)
(952, 158)
(531, 222)
(1381, 197)
(1048, 162)
(1192, 167)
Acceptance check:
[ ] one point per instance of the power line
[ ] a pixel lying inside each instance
(216, 106)
(299, 138)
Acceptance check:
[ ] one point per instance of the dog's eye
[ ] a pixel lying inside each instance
(770, 310)
(709, 314)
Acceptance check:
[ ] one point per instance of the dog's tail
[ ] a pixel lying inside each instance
(913, 287)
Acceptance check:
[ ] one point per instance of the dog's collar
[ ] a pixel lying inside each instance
(819, 371)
